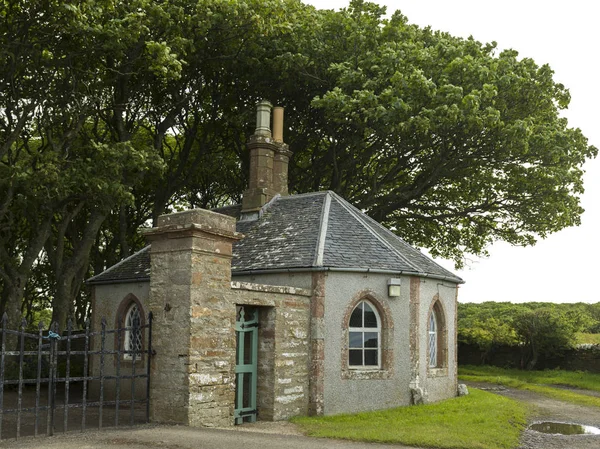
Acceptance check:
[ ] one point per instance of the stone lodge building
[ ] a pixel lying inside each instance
(283, 305)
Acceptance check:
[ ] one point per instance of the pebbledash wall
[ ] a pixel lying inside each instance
(337, 389)
(303, 336)
(108, 302)
(347, 390)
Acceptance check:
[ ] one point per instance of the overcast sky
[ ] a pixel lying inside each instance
(566, 35)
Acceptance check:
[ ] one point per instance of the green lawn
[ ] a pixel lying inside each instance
(542, 382)
(480, 420)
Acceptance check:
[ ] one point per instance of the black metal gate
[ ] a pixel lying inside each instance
(48, 383)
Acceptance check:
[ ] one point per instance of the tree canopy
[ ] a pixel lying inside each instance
(112, 113)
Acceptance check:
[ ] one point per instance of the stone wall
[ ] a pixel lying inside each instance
(353, 390)
(194, 304)
(283, 354)
(193, 370)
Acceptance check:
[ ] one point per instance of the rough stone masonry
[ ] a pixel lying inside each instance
(194, 304)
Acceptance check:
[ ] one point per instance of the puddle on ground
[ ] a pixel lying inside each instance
(563, 428)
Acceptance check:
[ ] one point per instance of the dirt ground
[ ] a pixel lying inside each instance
(546, 409)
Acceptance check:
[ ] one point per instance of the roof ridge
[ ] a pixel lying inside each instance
(322, 234)
(358, 215)
(303, 195)
(404, 242)
(118, 264)
(409, 246)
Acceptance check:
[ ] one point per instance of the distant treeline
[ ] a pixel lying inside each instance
(540, 330)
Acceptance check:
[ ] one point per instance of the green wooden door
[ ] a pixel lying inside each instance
(246, 332)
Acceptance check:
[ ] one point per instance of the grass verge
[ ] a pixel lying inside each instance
(480, 420)
(542, 382)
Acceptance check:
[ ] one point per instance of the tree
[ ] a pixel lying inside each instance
(42, 81)
(545, 332)
(54, 78)
(488, 326)
(442, 139)
(487, 334)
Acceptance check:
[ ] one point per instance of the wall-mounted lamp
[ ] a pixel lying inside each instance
(394, 287)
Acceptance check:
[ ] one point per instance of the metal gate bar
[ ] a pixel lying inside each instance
(52, 352)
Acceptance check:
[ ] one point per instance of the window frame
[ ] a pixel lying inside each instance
(440, 368)
(120, 324)
(386, 343)
(362, 330)
(433, 341)
(127, 337)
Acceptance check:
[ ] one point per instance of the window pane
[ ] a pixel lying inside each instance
(356, 317)
(356, 357)
(370, 339)
(370, 318)
(432, 349)
(356, 340)
(133, 332)
(371, 357)
(432, 323)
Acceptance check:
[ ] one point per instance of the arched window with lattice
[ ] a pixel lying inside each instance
(133, 343)
(130, 321)
(436, 337)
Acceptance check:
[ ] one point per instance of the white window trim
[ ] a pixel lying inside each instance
(365, 329)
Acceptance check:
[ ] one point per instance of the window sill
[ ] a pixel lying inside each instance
(366, 373)
(437, 372)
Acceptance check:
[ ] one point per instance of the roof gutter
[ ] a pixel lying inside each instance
(456, 280)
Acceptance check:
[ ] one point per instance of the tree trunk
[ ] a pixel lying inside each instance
(70, 276)
(11, 301)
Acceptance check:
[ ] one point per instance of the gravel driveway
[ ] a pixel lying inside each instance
(546, 409)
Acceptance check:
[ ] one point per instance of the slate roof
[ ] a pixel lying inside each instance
(317, 230)
(134, 268)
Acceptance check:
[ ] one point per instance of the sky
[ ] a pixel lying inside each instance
(565, 35)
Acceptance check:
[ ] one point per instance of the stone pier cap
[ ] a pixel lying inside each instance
(195, 220)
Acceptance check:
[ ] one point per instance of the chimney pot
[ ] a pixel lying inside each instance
(278, 124)
(263, 119)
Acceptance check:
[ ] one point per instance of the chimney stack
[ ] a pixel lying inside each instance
(269, 159)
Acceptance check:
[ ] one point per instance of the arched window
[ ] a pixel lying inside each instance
(133, 332)
(364, 335)
(433, 340)
(436, 335)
